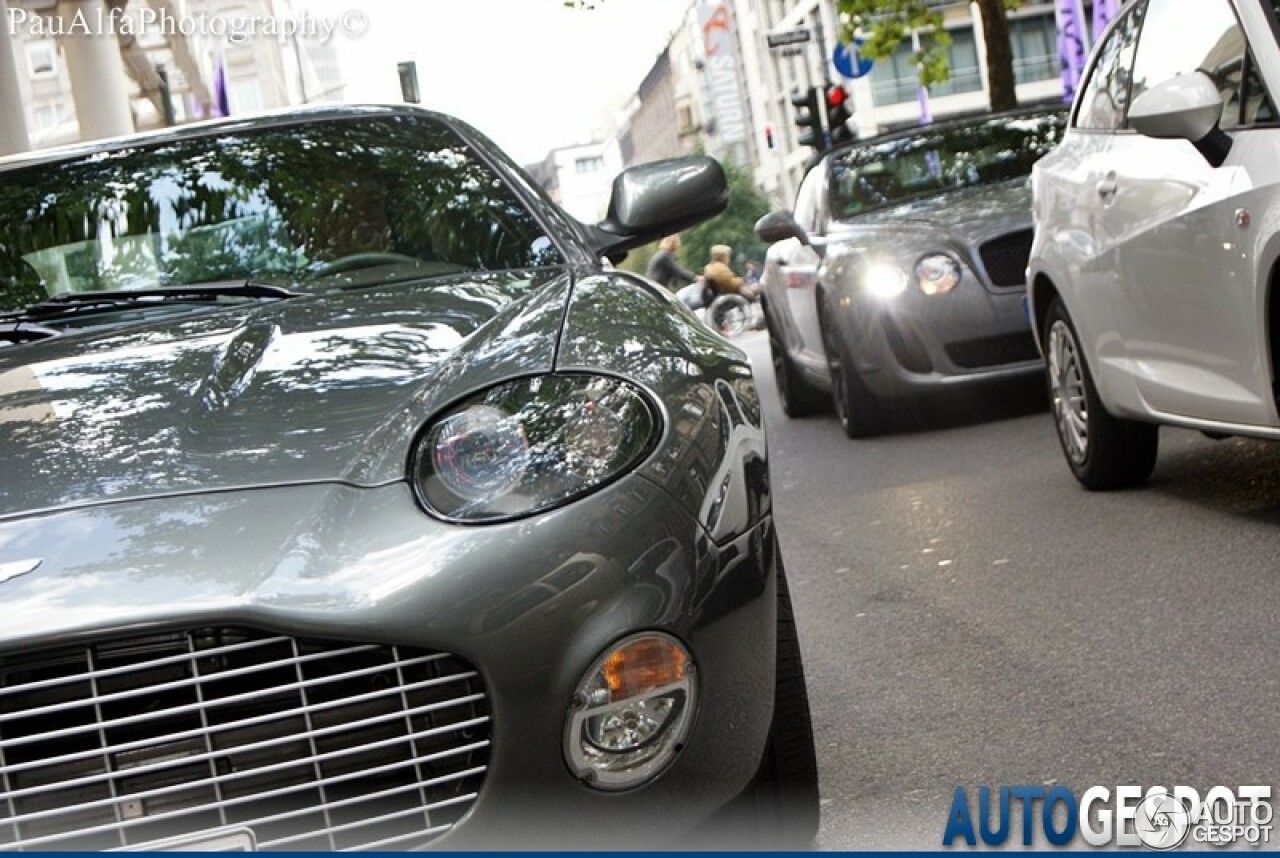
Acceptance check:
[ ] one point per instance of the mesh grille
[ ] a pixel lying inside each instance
(310, 744)
(1005, 258)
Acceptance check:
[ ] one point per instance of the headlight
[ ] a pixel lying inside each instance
(530, 445)
(937, 273)
(631, 712)
(886, 280)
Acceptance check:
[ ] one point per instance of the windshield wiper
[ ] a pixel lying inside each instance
(83, 303)
(21, 332)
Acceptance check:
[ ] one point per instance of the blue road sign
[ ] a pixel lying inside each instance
(849, 61)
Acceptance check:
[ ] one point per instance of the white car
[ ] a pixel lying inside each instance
(1157, 237)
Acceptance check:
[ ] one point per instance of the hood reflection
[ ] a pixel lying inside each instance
(288, 392)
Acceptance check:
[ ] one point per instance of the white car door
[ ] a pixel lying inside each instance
(1181, 235)
(1072, 191)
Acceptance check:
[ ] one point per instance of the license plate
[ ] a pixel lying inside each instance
(221, 840)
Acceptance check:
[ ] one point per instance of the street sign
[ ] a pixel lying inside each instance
(849, 61)
(791, 51)
(790, 37)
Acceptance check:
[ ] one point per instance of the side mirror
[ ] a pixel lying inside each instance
(657, 199)
(1187, 107)
(779, 226)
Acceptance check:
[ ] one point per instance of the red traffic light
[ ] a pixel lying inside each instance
(836, 96)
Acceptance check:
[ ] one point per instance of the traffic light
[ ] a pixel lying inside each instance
(808, 118)
(838, 114)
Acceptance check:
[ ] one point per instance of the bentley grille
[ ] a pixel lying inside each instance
(294, 743)
(1005, 258)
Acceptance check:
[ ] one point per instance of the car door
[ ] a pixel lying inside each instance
(800, 276)
(1185, 302)
(1071, 184)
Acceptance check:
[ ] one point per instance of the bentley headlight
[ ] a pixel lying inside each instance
(886, 280)
(530, 445)
(937, 273)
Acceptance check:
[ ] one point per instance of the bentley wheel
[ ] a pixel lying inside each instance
(799, 397)
(860, 414)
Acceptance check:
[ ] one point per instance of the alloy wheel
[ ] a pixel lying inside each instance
(1066, 389)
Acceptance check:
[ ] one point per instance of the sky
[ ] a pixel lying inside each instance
(531, 74)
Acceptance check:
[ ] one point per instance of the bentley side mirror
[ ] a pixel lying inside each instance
(1187, 107)
(779, 226)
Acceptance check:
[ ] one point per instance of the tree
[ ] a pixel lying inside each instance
(885, 23)
(735, 226)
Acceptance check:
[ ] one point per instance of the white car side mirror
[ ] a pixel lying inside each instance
(1187, 107)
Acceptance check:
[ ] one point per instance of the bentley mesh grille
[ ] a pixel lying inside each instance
(308, 744)
(1005, 258)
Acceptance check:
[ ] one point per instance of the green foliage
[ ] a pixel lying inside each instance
(638, 259)
(883, 24)
(735, 226)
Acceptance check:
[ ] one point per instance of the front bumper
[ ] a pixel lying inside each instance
(916, 344)
(530, 604)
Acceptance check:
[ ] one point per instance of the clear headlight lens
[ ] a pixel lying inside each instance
(631, 713)
(885, 280)
(937, 273)
(530, 445)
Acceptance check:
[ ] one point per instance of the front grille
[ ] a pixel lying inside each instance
(1005, 258)
(309, 744)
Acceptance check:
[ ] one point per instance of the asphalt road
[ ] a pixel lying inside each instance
(970, 616)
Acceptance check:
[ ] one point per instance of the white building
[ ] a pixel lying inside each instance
(580, 177)
(67, 86)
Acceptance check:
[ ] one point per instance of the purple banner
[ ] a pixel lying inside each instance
(220, 103)
(1071, 49)
(1103, 12)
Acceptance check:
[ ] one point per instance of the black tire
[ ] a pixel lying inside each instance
(779, 808)
(861, 415)
(1104, 452)
(799, 397)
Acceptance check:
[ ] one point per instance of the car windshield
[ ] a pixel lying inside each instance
(940, 159)
(342, 202)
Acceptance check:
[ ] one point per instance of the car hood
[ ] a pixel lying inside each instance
(968, 215)
(331, 387)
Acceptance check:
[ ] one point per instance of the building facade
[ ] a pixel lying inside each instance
(205, 74)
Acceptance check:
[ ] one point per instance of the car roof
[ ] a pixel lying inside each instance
(213, 128)
(946, 124)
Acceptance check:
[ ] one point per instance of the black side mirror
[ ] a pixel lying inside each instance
(779, 226)
(652, 200)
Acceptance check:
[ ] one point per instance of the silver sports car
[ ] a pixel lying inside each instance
(902, 269)
(350, 501)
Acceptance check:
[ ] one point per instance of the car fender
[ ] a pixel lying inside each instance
(711, 456)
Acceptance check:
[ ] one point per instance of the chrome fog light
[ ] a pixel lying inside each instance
(631, 712)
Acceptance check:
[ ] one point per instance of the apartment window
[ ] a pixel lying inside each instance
(244, 95)
(42, 58)
(1035, 48)
(46, 117)
(893, 80)
(588, 165)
